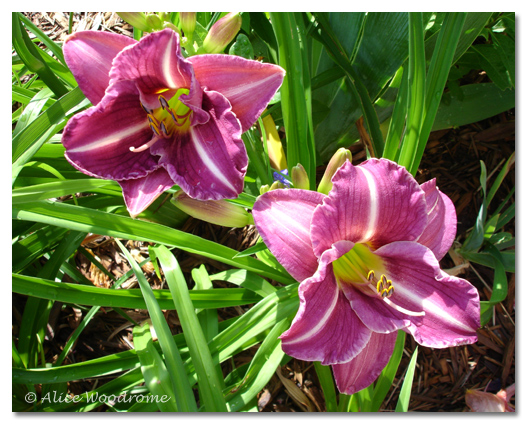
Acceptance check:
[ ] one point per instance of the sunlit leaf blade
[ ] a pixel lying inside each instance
(178, 376)
(324, 373)
(416, 97)
(153, 368)
(405, 394)
(210, 387)
(102, 223)
(295, 92)
(29, 54)
(436, 78)
(260, 370)
(384, 382)
(125, 298)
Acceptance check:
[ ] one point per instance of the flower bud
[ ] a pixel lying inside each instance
(136, 19)
(275, 150)
(263, 189)
(154, 22)
(219, 212)
(300, 178)
(188, 22)
(338, 159)
(164, 16)
(277, 185)
(222, 33)
(172, 27)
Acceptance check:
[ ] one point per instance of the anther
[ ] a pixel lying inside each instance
(154, 129)
(163, 102)
(148, 111)
(164, 129)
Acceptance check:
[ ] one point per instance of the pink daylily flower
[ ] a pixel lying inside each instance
(160, 119)
(367, 258)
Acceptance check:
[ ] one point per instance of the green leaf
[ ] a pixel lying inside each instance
(242, 47)
(247, 280)
(386, 378)
(178, 376)
(58, 189)
(208, 382)
(153, 368)
(31, 57)
(480, 101)
(48, 123)
(124, 298)
(405, 394)
(436, 78)
(90, 220)
(324, 373)
(295, 92)
(416, 97)
(492, 63)
(260, 370)
(500, 286)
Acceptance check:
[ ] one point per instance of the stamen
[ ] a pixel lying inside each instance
(148, 111)
(164, 129)
(145, 146)
(163, 102)
(154, 129)
(391, 304)
(184, 115)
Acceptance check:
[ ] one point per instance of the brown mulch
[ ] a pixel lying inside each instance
(442, 377)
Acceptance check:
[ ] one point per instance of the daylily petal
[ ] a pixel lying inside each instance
(440, 231)
(282, 218)
(363, 369)
(89, 55)
(209, 161)
(451, 304)
(156, 65)
(140, 193)
(98, 140)
(377, 202)
(248, 85)
(325, 328)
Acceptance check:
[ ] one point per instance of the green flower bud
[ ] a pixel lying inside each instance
(219, 212)
(154, 22)
(171, 26)
(338, 159)
(300, 179)
(277, 185)
(188, 22)
(263, 189)
(222, 33)
(164, 16)
(136, 19)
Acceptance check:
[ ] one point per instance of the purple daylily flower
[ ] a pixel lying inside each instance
(367, 258)
(160, 119)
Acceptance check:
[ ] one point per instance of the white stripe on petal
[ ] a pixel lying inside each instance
(167, 57)
(435, 309)
(206, 159)
(320, 324)
(110, 139)
(374, 206)
(244, 87)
